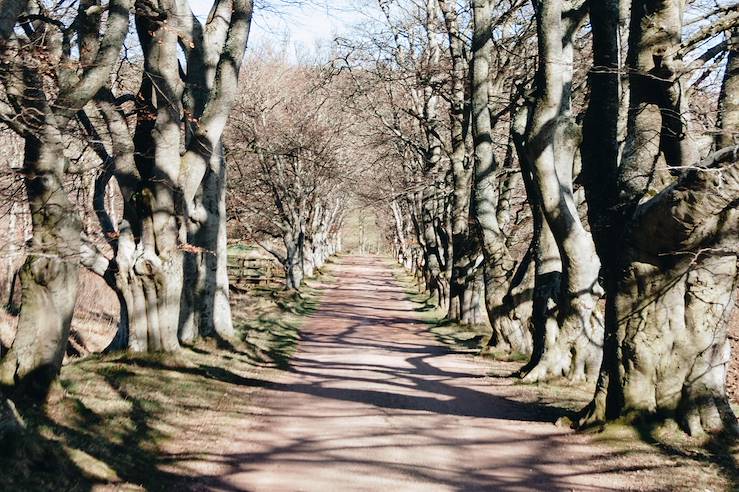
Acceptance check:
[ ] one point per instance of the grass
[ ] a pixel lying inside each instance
(427, 309)
(471, 339)
(656, 456)
(139, 421)
(241, 248)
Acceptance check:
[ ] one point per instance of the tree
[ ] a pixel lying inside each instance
(169, 166)
(665, 221)
(465, 248)
(507, 307)
(568, 340)
(47, 83)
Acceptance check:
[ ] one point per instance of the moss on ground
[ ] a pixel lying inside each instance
(133, 421)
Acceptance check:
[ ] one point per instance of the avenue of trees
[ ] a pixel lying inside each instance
(571, 166)
(124, 157)
(563, 171)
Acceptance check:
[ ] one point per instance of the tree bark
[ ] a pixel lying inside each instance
(463, 253)
(729, 99)
(293, 261)
(49, 275)
(573, 348)
(206, 310)
(510, 333)
(672, 274)
(214, 56)
(156, 271)
(672, 304)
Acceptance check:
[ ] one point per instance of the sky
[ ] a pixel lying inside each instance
(315, 23)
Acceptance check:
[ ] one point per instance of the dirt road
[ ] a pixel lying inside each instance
(374, 402)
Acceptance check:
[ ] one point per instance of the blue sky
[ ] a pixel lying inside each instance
(315, 23)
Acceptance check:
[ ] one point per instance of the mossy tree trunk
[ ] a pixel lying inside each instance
(49, 275)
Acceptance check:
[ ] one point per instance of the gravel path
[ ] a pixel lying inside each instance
(374, 402)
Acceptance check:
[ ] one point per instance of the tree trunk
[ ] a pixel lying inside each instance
(48, 276)
(10, 268)
(552, 142)
(672, 272)
(729, 100)
(510, 332)
(212, 55)
(293, 263)
(473, 298)
(309, 262)
(153, 264)
(671, 308)
(150, 287)
(404, 255)
(206, 310)
(221, 306)
(462, 258)
(435, 282)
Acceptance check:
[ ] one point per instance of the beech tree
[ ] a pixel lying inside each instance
(665, 220)
(168, 163)
(568, 340)
(47, 80)
(508, 281)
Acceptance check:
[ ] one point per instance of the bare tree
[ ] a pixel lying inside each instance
(47, 83)
(507, 307)
(168, 163)
(666, 225)
(570, 338)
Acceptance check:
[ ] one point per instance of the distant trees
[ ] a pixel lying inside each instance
(413, 81)
(290, 158)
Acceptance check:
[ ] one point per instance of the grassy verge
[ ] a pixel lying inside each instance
(141, 421)
(471, 339)
(656, 457)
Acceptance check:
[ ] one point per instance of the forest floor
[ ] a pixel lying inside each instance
(366, 391)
